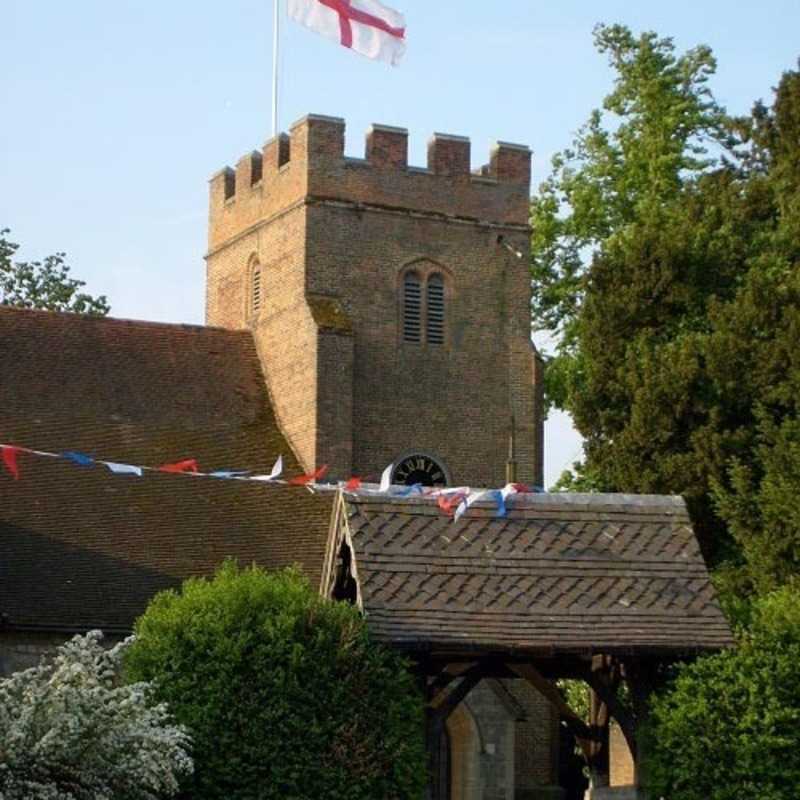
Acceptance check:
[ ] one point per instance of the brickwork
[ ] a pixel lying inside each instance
(321, 225)
(536, 744)
(503, 744)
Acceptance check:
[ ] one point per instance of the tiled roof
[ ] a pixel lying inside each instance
(561, 574)
(80, 547)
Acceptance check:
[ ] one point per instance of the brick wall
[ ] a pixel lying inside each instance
(536, 742)
(352, 394)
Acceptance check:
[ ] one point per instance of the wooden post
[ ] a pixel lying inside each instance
(439, 707)
(599, 761)
(434, 731)
(641, 679)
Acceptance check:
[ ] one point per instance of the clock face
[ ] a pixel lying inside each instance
(418, 468)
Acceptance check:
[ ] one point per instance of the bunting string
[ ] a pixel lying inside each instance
(453, 501)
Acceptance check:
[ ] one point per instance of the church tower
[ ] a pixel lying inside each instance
(388, 304)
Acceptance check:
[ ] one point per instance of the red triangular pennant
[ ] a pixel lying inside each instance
(449, 503)
(10, 460)
(302, 480)
(188, 465)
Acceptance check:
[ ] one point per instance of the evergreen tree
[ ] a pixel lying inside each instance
(756, 338)
(671, 280)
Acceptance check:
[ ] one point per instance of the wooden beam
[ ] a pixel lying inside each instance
(449, 674)
(443, 704)
(581, 730)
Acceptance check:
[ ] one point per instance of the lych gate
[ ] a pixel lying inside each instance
(599, 588)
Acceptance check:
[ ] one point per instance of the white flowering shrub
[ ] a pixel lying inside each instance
(69, 730)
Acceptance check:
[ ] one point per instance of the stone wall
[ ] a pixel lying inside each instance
(620, 758)
(504, 744)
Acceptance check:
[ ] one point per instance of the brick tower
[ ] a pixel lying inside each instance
(390, 312)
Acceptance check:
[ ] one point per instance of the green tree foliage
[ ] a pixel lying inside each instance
(283, 692)
(665, 259)
(727, 727)
(43, 284)
(755, 344)
(626, 162)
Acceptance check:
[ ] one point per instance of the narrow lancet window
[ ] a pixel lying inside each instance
(412, 308)
(435, 316)
(256, 296)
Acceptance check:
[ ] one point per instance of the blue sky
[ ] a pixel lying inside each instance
(116, 113)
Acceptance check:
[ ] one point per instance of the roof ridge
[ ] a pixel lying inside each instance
(127, 321)
(532, 500)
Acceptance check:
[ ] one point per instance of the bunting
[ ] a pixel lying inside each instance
(10, 459)
(386, 479)
(187, 465)
(123, 469)
(81, 459)
(312, 477)
(277, 471)
(454, 501)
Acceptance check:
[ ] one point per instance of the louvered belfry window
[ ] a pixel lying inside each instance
(435, 310)
(256, 288)
(412, 308)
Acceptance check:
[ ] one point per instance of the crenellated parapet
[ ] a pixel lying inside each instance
(309, 165)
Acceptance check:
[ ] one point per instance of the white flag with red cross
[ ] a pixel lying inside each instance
(366, 26)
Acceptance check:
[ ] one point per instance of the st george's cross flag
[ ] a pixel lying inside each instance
(366, 26)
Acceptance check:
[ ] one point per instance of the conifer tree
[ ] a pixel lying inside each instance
(665, 258)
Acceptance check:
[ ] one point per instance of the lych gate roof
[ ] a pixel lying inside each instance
(561, 574)
(82, 548)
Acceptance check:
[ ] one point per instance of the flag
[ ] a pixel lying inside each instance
(366, 26)
(467, 502)
(277, 469)
(123, 469)
(188, 465)
(450, 501)
(81, 459)
(302, 480)
(415, 488)
(10, 459)
(386, 479)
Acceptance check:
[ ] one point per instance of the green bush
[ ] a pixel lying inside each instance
(728, 727)
(283, 692)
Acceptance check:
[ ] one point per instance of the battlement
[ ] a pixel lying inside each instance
(310, 164)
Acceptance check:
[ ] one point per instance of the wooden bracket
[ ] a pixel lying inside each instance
(443, 704)
(584, 733)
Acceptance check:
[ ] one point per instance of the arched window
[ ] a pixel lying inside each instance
(255, 295)
(412, 308)
(435, 310)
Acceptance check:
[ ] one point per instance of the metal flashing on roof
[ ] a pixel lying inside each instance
(560, 574)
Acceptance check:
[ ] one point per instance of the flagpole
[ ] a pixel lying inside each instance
(275, 43)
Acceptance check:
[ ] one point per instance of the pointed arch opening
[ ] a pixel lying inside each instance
(425, 291)
(256, 286)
